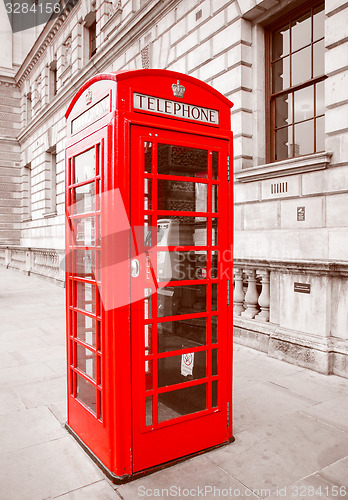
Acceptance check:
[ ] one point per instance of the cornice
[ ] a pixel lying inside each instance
(302, 164)
(313, 267)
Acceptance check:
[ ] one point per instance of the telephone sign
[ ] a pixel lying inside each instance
(148, 229)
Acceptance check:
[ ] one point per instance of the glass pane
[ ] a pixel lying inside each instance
(301, 32)
(283, 110)
(179, 231)
(86, 329)
(301, 66)
(304, 137)
(214, 393)
(181, 160)
(85, 166)
(147, 194)
(215, 164)
(281, 74)
(175, 335)
(85, 231)
(283, 143)
(183, 196)
(148, 339)
(148, 156)
(85, 296)
(320, 134)
(85, 198)
(177, 369)
(148, 375)
(177, 300)
(214, 265)
(86, 361)
(177, 265)
(214, 362)
(318, 59)
(181, 402)
(100, 405)
(214, 297)
(149, 231)
(320, 98)
(148, 411)
(147, 303)
(85, 264)
(215, 199)
(86, 393)
(304, 104)
(214, 236)
(214, 331)
(318, 23)
(280, 43)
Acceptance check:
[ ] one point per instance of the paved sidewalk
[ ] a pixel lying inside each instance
(290, 424)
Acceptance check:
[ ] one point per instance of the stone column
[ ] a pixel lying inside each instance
(251, 296)
(238, 293)
(264, 299)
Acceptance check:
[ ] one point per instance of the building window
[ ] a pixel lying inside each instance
(28, 105)
(92, 30)
(295, 71)
(51, 182)
(53, 79)
(26, 199)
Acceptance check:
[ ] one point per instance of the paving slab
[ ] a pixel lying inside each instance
(101, 490)
(334, 412)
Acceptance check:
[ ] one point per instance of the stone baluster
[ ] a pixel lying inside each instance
(264, 298)
(238, 293)
(251, 296)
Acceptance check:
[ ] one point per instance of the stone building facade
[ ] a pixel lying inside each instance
(284, 64)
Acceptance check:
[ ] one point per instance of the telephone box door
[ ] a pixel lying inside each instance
(179, 213)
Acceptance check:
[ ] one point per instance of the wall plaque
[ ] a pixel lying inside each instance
(302, 287)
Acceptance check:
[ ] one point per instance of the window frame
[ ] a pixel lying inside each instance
(270, 96)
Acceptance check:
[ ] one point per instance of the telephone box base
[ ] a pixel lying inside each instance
(127, 478)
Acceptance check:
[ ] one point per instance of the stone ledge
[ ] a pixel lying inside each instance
(313, 267)
(292, 166)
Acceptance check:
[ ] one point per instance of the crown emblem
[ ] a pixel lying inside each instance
(88, 96)
(178, 90)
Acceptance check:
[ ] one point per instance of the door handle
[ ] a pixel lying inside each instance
(135, 268)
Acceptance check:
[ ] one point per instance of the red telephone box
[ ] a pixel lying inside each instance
(148, 262)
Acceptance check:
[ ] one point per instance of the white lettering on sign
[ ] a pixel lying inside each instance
(173, 108)
(91, 115)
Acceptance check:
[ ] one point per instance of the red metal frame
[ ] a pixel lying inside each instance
(117, 436)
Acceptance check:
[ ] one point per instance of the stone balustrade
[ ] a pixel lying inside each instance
(251, 299)
(42, 262)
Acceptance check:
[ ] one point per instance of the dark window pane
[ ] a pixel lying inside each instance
(148, 156)
(283, 143)
(214, 297)
(181, 160)
(214, 362)
(215, 164)
(183, 196)
(214, 330)
(214, 393)
(304, 104)
(147, 194)
(177, 300)
(177, 265)
(181, 402)
(320, 98)
(304, 137)
(86, 393)
(175, 335)
(281, 75)
(148, 411)
(318, 23)
(215, 234)
(280, 43)
(320, 134)
(283, 110)
(318, 59)
(301, 32)
(86, 361)
(176, 230)
(85, 166)
(215, 199)
(177, 369)
(86, 329)
(301, 66)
